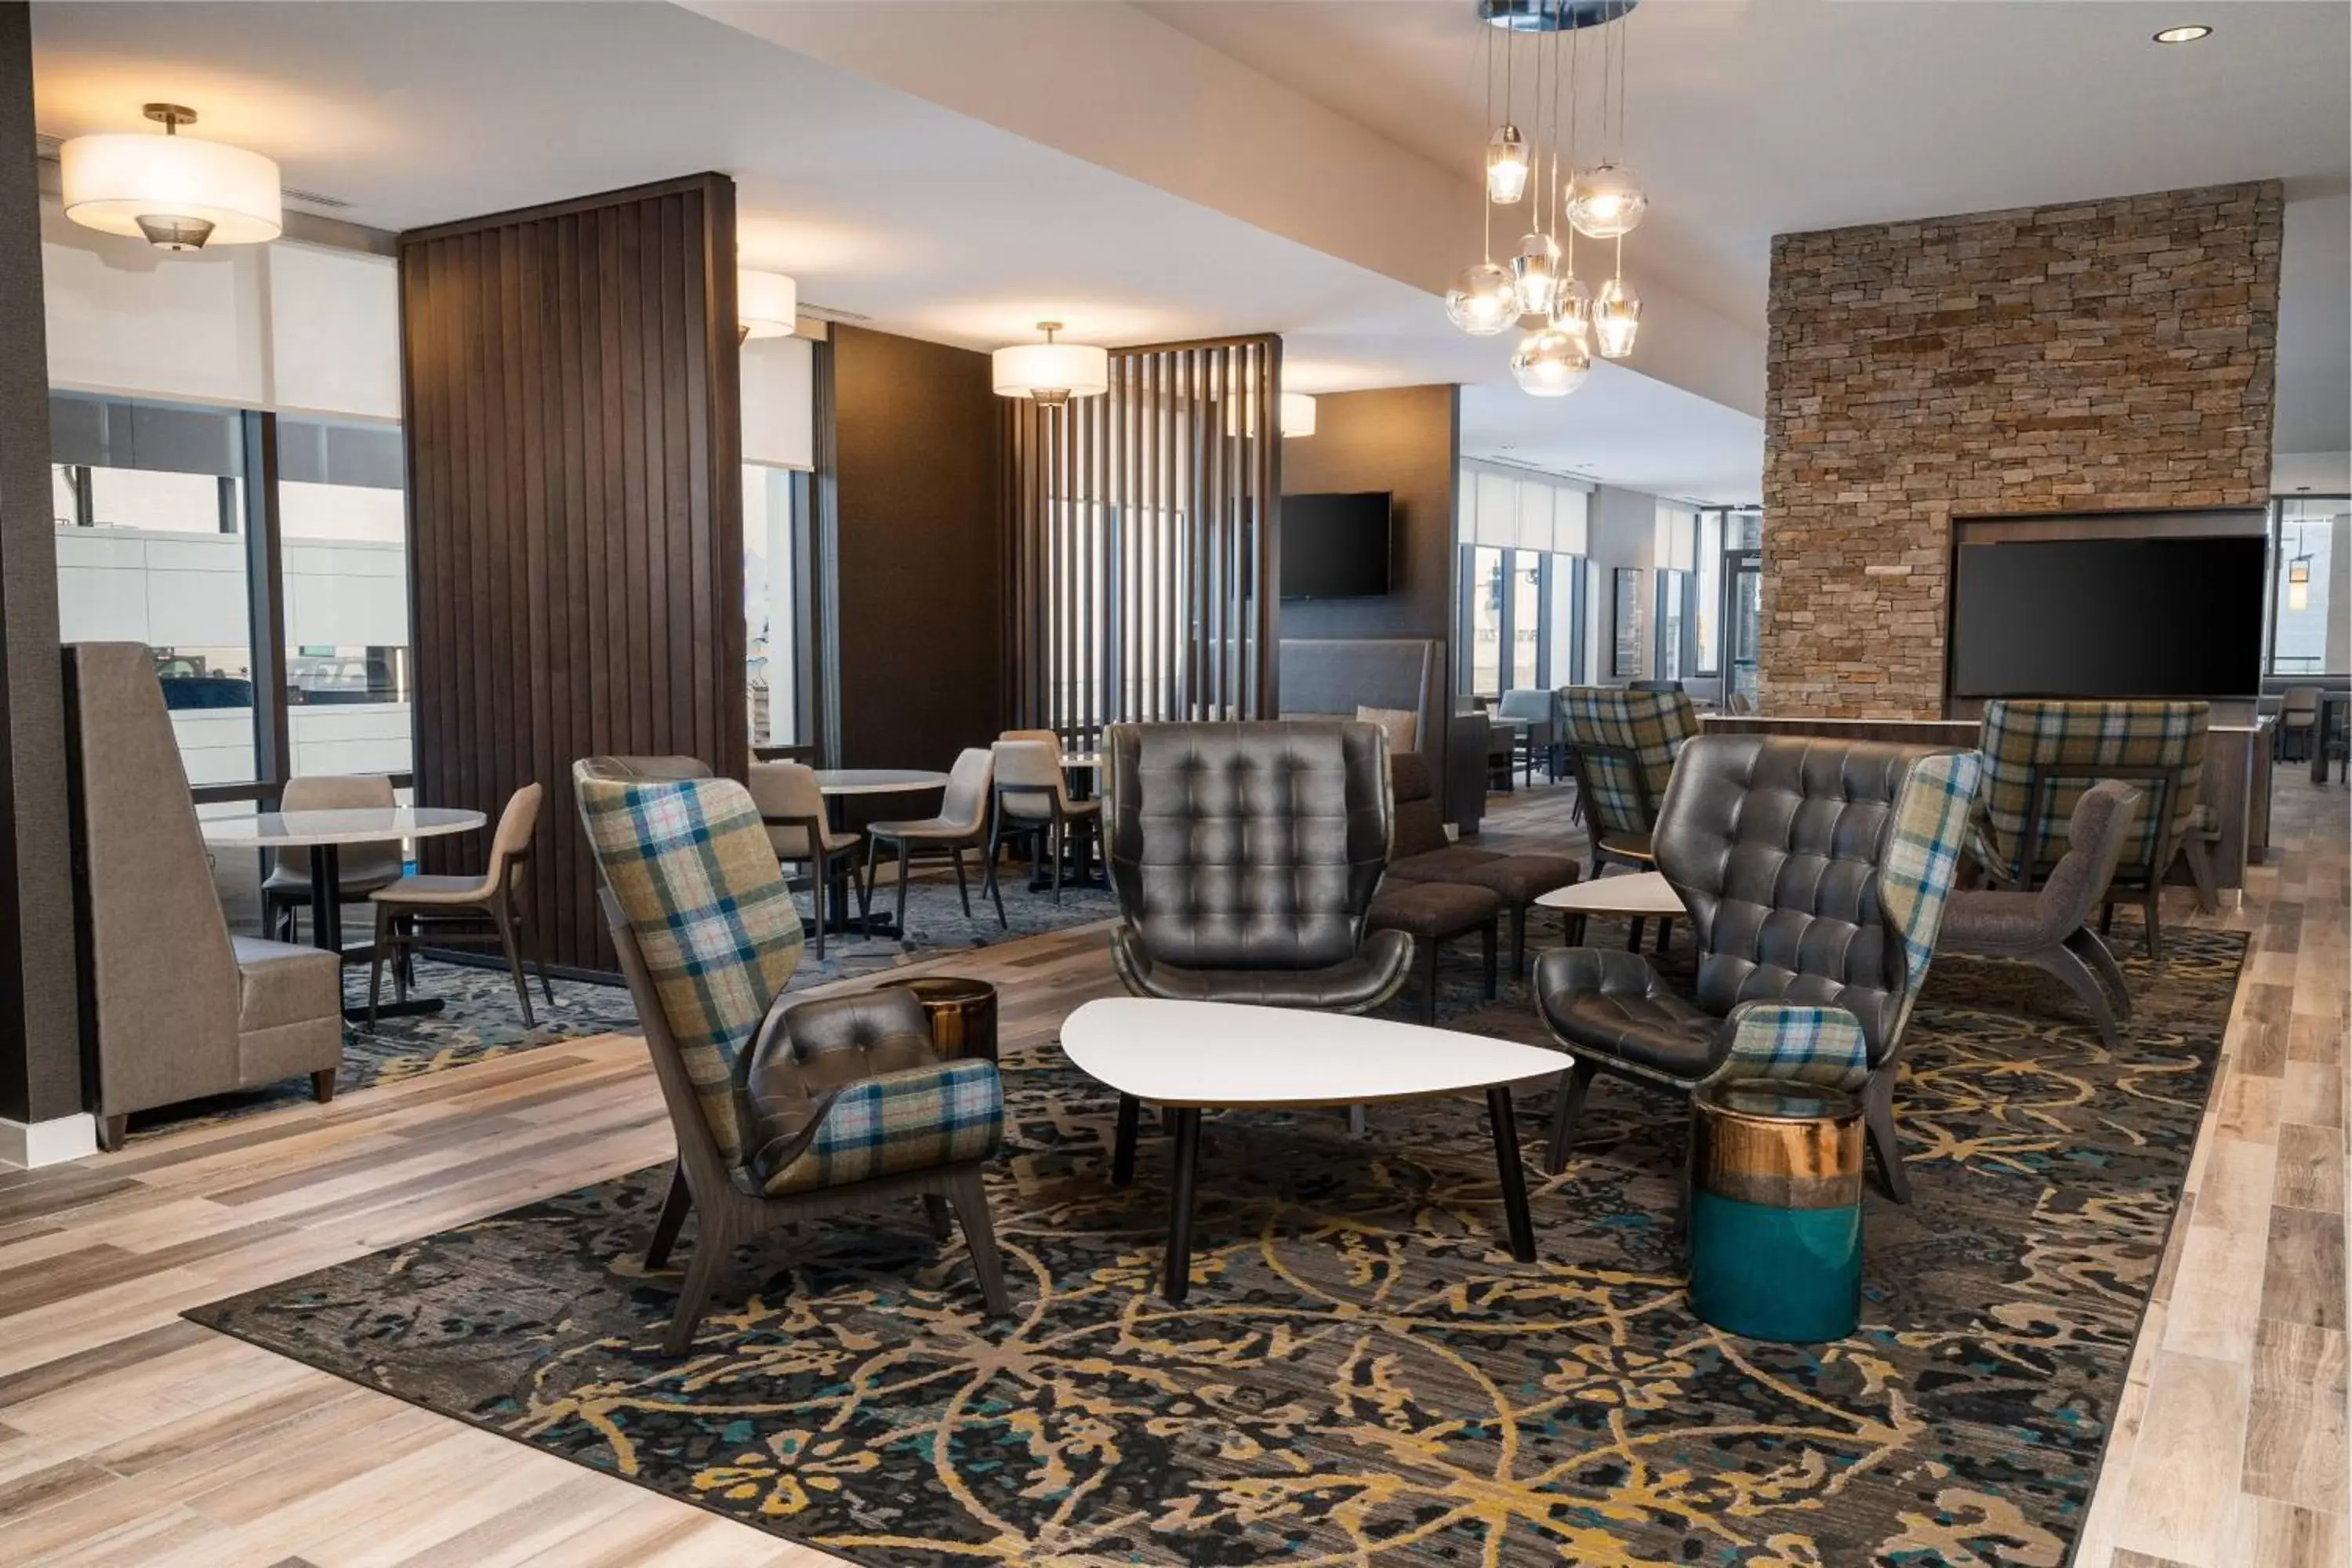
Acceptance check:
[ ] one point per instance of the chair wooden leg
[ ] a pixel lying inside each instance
(1567, 1106)
(1061, 851)
(504, 921)
(980, 1240)
(963, 889)
(935, 1213)
(2152, 911)
(711, 1250)
(988, 866)
(821, 874)
(1878, 1117)
(322, 1085)
(2200, 870)
(403, 956)
(902, 887)
(995, 893)
(375, 960)
(2066, 965)
(674, 1203)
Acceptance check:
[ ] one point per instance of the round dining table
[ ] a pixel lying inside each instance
(323, 834)
(838, 784)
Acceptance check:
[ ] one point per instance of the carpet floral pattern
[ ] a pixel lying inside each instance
(1362, 1376)
(480, 1018)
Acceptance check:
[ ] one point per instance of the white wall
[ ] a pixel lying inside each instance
(1624, 534)
(2321, 473)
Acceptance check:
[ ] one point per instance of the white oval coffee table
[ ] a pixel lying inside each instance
(1643, 895)
(1187, 1056)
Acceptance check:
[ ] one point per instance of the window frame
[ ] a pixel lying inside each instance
(2276, 526)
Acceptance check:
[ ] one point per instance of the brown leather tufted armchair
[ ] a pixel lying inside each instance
(1245, 857)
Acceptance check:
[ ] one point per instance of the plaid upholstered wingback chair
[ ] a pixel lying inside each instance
(2041, 756)
(1815, 873)
(1622, 744)
(781, 1112)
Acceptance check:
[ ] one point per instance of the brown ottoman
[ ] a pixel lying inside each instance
(1432, 913)
(1517, 879)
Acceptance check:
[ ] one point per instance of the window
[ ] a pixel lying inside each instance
(343, 563)
(772, 548)
(1673, 594)
(153, 547)
(1706, 597)
(1564, 649)
(2311, 544)
(1522, 617)
(1482, 619)
(1526, 616)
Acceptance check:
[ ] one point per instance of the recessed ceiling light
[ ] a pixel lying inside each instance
(2186, 35)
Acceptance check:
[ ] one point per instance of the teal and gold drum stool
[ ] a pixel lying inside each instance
(1776, 1209)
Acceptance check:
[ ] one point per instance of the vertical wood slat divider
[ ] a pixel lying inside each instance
(1139, 531)
(575, 512)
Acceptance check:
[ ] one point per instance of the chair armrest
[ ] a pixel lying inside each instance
(1792, 1042)
(1611, 971)
(919, 1119)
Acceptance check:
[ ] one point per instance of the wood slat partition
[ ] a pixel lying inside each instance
(575, 511)
(1142, 542)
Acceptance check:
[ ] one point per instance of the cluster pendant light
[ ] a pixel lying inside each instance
(1564, 320)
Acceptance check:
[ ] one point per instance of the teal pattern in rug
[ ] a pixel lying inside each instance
(1361, 1376)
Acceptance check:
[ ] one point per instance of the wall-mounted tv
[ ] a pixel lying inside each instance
(2108, 617)
(1335, 546)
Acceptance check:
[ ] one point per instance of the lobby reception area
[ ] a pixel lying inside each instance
(918, 784)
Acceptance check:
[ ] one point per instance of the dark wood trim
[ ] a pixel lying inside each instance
(273, 740)
(575, 511)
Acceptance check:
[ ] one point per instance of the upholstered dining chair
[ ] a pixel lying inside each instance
(1536, 709)
(450, 910)
(644, 767)
(782, 1111)
(2049, 927)
(961, 825)
(801, 832)
(1816, 874)
(2040, 756)
(1623, 742)
(2298, 720)
(361, 868)
(1244, 857)
(1032, 797)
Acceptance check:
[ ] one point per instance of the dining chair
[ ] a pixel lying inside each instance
(1623, 742)
(361, 868)
(2298, 721)
(801, 832)
(1032, 797)
(961, 825)
(449, 910)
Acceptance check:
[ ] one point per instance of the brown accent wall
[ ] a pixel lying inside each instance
(917, 564)
(575, 511)
(40, 1043)
(1407, 441)
(2103, 356)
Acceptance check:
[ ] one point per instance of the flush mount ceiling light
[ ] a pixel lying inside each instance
(2187, 34)
(176, 192)
(765, 304)
(1296, 413)
(1051, 372)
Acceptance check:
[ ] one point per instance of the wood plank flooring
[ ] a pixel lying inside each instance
(130, 1436)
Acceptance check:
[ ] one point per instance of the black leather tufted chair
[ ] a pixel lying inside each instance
(1244, 857)
(1777, 845)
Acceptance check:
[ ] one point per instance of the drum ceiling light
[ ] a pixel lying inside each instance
(765, 304)
(173, 191)
(1050, 372)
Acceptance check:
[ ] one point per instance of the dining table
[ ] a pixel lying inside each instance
(838, 785)
(323, 834)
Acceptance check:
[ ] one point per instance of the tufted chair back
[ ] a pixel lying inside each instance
(1804, 863)
(1246, 846)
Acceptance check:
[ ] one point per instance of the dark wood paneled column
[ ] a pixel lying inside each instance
(575, 510)
(40, 1045)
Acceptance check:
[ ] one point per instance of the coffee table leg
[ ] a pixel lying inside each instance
(1187, 1128)
(1506, 1165)
(1122, 1152)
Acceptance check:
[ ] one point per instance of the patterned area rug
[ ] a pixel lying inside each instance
(1362, 1376)
(480, 1018)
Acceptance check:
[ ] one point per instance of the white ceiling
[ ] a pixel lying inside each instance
(1746, 119)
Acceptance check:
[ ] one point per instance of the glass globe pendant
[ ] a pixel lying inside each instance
(1616, 317)
(1606, 201)
(1571, 309)
(1506, 166)
(1534, 271)
(1549, 363)
(1483, 300)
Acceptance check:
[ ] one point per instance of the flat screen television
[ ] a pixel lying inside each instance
(2109, 617)
(1335, 546)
